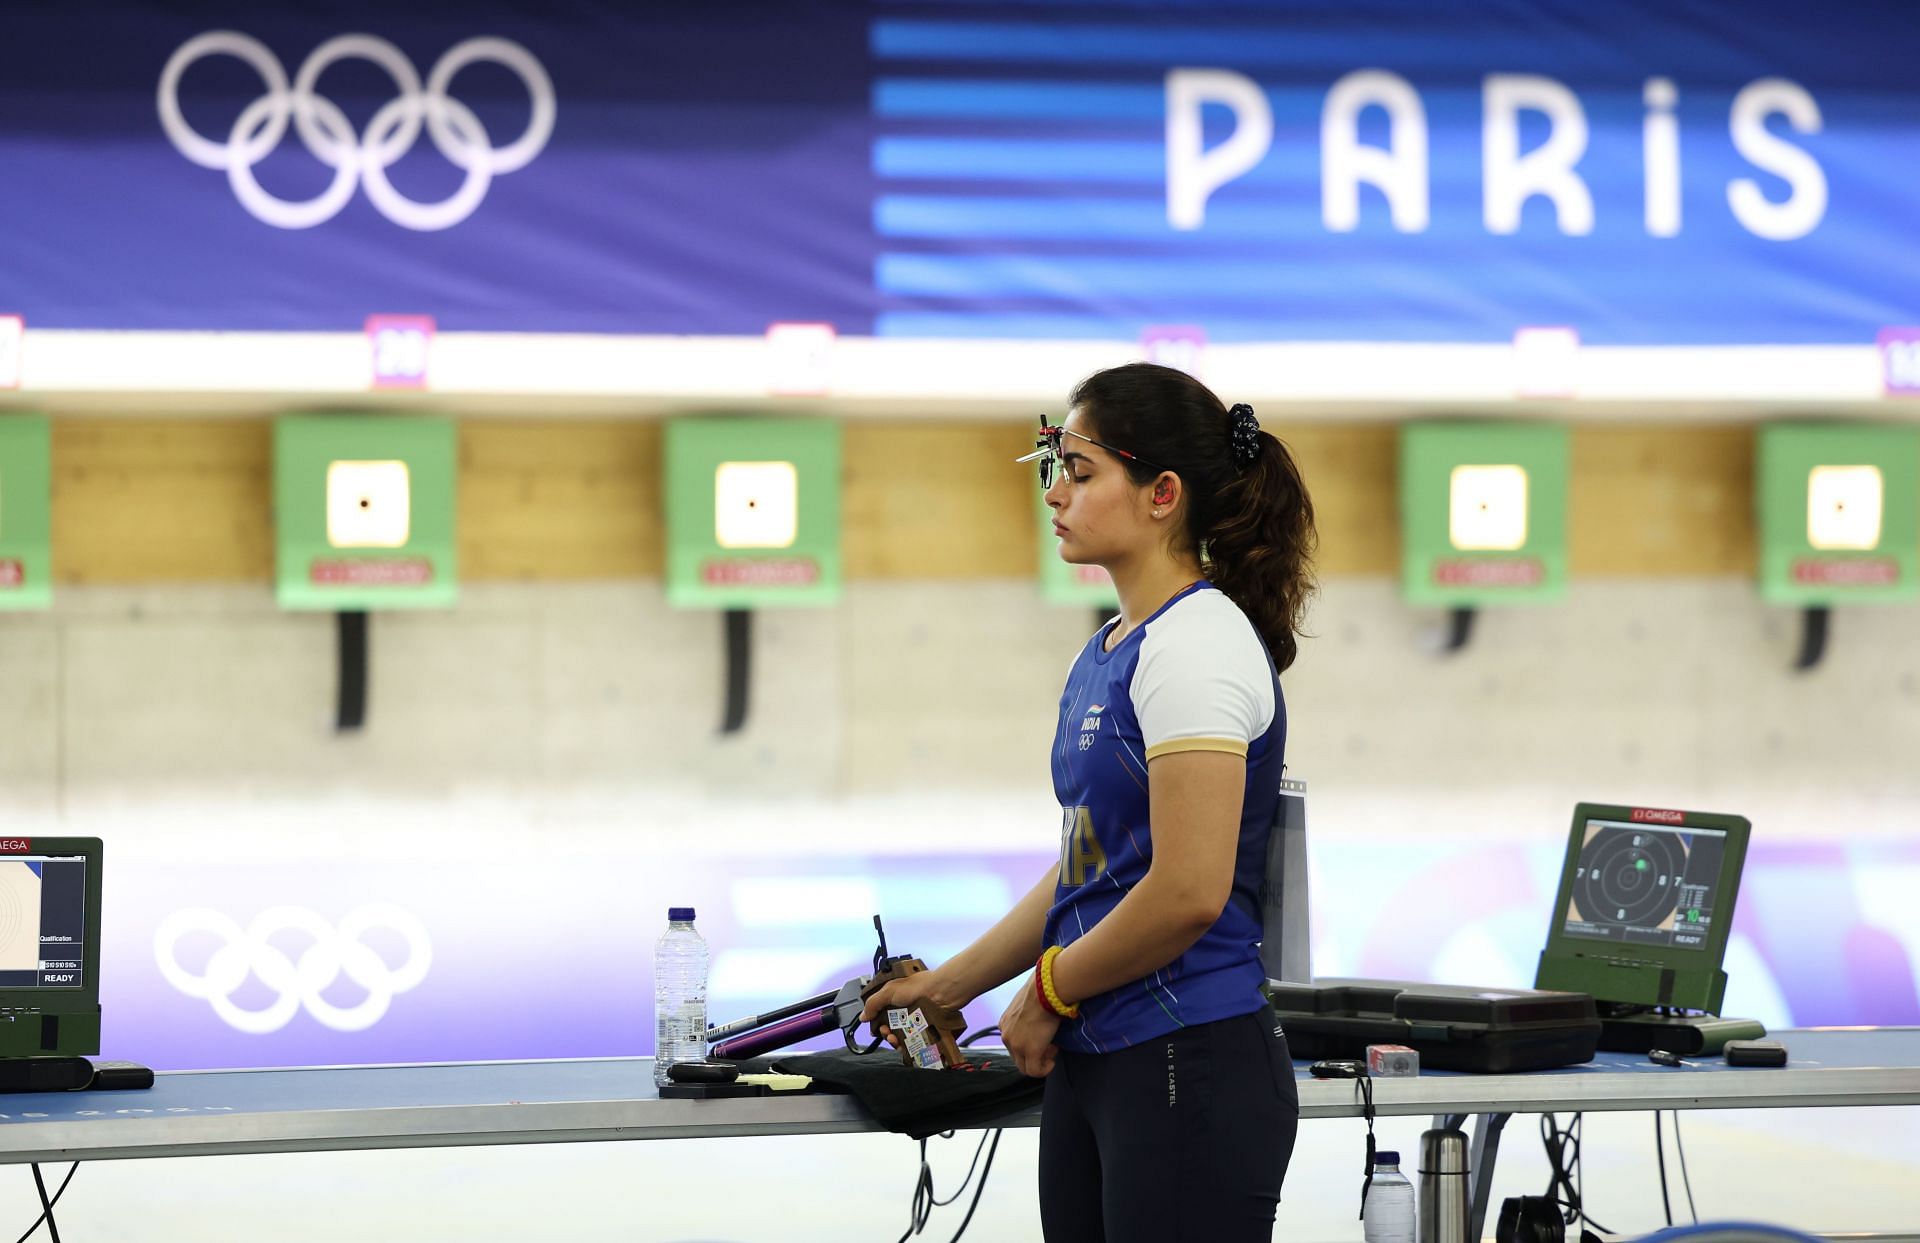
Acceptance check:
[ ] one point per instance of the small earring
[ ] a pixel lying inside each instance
(1159, 513)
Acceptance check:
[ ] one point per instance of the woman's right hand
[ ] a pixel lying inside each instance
(1029, 1029)
(920, 988)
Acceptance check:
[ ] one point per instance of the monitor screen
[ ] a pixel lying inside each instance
(43, 907)
(1641, 884)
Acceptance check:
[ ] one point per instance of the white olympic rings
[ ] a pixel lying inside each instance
(363, 159)
(250, 952)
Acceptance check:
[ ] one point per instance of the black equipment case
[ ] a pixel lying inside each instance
(1487, 1030)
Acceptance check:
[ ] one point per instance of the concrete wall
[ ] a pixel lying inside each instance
(553, 703)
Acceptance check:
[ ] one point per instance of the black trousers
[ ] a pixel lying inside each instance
(1183, 1137)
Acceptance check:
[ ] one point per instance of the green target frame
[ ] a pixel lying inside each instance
(364, 512)
(1839, 513)
(1483, 513)
(26, 512)
(753, 512)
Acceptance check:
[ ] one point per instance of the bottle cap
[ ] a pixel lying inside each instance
(680, 914)
(1386, 1156)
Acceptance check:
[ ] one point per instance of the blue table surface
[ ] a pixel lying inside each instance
(631, 1079)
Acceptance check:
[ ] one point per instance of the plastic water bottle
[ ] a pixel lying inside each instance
(1387, 1216)
(679, 994)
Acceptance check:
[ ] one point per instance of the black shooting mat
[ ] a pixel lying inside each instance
(911, 1100)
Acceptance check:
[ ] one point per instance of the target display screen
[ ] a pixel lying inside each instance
(43, 907)
(1642, 884)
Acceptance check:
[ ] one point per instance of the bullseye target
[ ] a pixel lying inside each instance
(1626, 876)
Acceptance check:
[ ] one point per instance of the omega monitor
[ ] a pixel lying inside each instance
(49, 946)
(1645, 906)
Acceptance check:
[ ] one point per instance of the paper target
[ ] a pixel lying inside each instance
(1629, 877)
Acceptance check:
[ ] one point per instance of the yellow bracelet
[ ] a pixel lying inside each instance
(1048, 995)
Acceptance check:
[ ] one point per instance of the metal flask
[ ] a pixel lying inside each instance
(1443, 1187)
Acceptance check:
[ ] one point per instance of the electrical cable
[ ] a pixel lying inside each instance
(1579, 1172)
(986, 1169)
(925, 1200)
(1564, 1186)
(1660, 1153)
(921, 1208)
(979, 1190)
(46, 1205)
(1560, 1185)
(1681, 1150)
(1363, 1088)
(968, 1180)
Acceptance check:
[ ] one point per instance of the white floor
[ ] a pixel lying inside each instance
(1821, 1170)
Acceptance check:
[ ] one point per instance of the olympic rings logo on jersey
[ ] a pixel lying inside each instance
(358, 159)
(249, 952)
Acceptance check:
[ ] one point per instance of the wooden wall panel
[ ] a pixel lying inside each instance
(188, 500)
(561, 500)
(162, 500)
(1352, 478)
(1661, 500)
(939, 500)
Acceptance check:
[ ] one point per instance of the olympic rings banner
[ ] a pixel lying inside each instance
(1385, 170)
(547, 952)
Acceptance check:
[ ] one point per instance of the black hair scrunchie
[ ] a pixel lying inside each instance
(1246, 436)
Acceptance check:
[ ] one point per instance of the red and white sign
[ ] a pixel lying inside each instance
(13, 337)
(800, 360)
(12, 573)
(16, 845)
(1845, 571)
(370, 571)
(1650, 815)
(1489, 572)
(401, 346)
(760, 572)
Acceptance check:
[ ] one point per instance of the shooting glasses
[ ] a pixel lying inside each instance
(1049, 453)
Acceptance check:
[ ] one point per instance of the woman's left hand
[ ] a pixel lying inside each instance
(1028, 1028)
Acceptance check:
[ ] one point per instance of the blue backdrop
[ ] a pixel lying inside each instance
(418, 958)
(951, 168)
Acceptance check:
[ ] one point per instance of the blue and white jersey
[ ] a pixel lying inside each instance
(1195, 676)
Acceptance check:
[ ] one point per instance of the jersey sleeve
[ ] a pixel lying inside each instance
(1203, 681)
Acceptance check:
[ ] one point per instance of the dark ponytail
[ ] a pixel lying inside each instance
(1252, 527)
(1260, 548)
